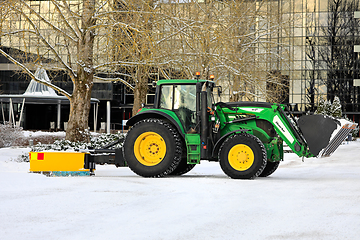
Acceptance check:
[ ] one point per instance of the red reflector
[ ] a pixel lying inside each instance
(40, 156)
(204, 147)
(139, 110)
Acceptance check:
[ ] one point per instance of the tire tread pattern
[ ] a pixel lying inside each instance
(263, 152)
(177, 140)
(269, 169)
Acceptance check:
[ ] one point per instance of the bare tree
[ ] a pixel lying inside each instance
(338, 54)
(277, 87)
(75, 37)
(311, 75)
(123, 41)
(235, 40)
(135, 45)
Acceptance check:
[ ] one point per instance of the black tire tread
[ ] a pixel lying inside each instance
(178, 146)
(263, 152)
(269, 169)
(183, 168)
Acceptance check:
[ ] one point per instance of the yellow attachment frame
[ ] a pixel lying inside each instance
(57, 161)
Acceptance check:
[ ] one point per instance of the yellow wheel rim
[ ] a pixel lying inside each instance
(150, 148)
(241, 157)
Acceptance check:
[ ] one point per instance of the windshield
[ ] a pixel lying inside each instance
(185, 97)
(182, 100)
(166, 96)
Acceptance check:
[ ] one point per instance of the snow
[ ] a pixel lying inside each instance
(42, 133)
(314, 199)
(343, 122)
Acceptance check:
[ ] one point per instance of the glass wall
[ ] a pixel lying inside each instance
(321, 41)
(311, 53)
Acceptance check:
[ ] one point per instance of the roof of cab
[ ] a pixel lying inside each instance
(180, 81)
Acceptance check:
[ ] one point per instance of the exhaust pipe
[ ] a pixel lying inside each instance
(324, 134)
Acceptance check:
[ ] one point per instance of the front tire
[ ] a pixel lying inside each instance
(242, 156)
(152, 148)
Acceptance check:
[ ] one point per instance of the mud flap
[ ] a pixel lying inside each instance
(324, 134)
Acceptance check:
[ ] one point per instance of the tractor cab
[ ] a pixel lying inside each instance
(183, 97)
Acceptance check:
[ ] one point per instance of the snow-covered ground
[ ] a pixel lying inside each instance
(42, 133)
(315, 199)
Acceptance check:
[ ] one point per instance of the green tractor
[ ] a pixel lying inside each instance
(185, 126)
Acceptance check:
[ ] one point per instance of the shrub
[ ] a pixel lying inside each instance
(96, 142)
(9, 134)
(334, 110)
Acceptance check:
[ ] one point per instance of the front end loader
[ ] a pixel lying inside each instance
(186, 126)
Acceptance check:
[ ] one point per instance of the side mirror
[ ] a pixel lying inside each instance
(219, 90)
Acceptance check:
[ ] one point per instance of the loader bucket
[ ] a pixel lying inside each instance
(324, 134)
(338, 137)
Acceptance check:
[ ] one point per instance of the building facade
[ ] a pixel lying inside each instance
(324, 64)
(313, 55)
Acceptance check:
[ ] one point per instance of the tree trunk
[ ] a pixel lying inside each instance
(78, 123)
(141, 88)
(77, 129)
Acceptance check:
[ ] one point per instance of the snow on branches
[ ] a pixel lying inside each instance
(330, 109)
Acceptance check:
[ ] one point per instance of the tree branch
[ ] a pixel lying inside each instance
(41, 37)
(64, 18)
(114, 80)
(24, 68)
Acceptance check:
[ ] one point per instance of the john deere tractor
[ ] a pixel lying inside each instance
(186, 126)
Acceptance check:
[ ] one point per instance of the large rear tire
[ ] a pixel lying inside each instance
(269, 169)
(152, 148)
(182, 168)
(242, 156)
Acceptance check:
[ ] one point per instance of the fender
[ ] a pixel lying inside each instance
(223, 138)
(156, 114)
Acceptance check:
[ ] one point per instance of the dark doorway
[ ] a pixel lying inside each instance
(39, 116)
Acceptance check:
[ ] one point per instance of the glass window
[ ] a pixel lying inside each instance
(298, 6)
(285, 6)
(298, 41)
(166, 96)
(185, 97)
(323, 18)
(298, 64)
(298, 32)
(323, 5)
(185, 105)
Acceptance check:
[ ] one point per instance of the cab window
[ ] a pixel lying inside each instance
(182, 100)
(166, 96)
(185, 97)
